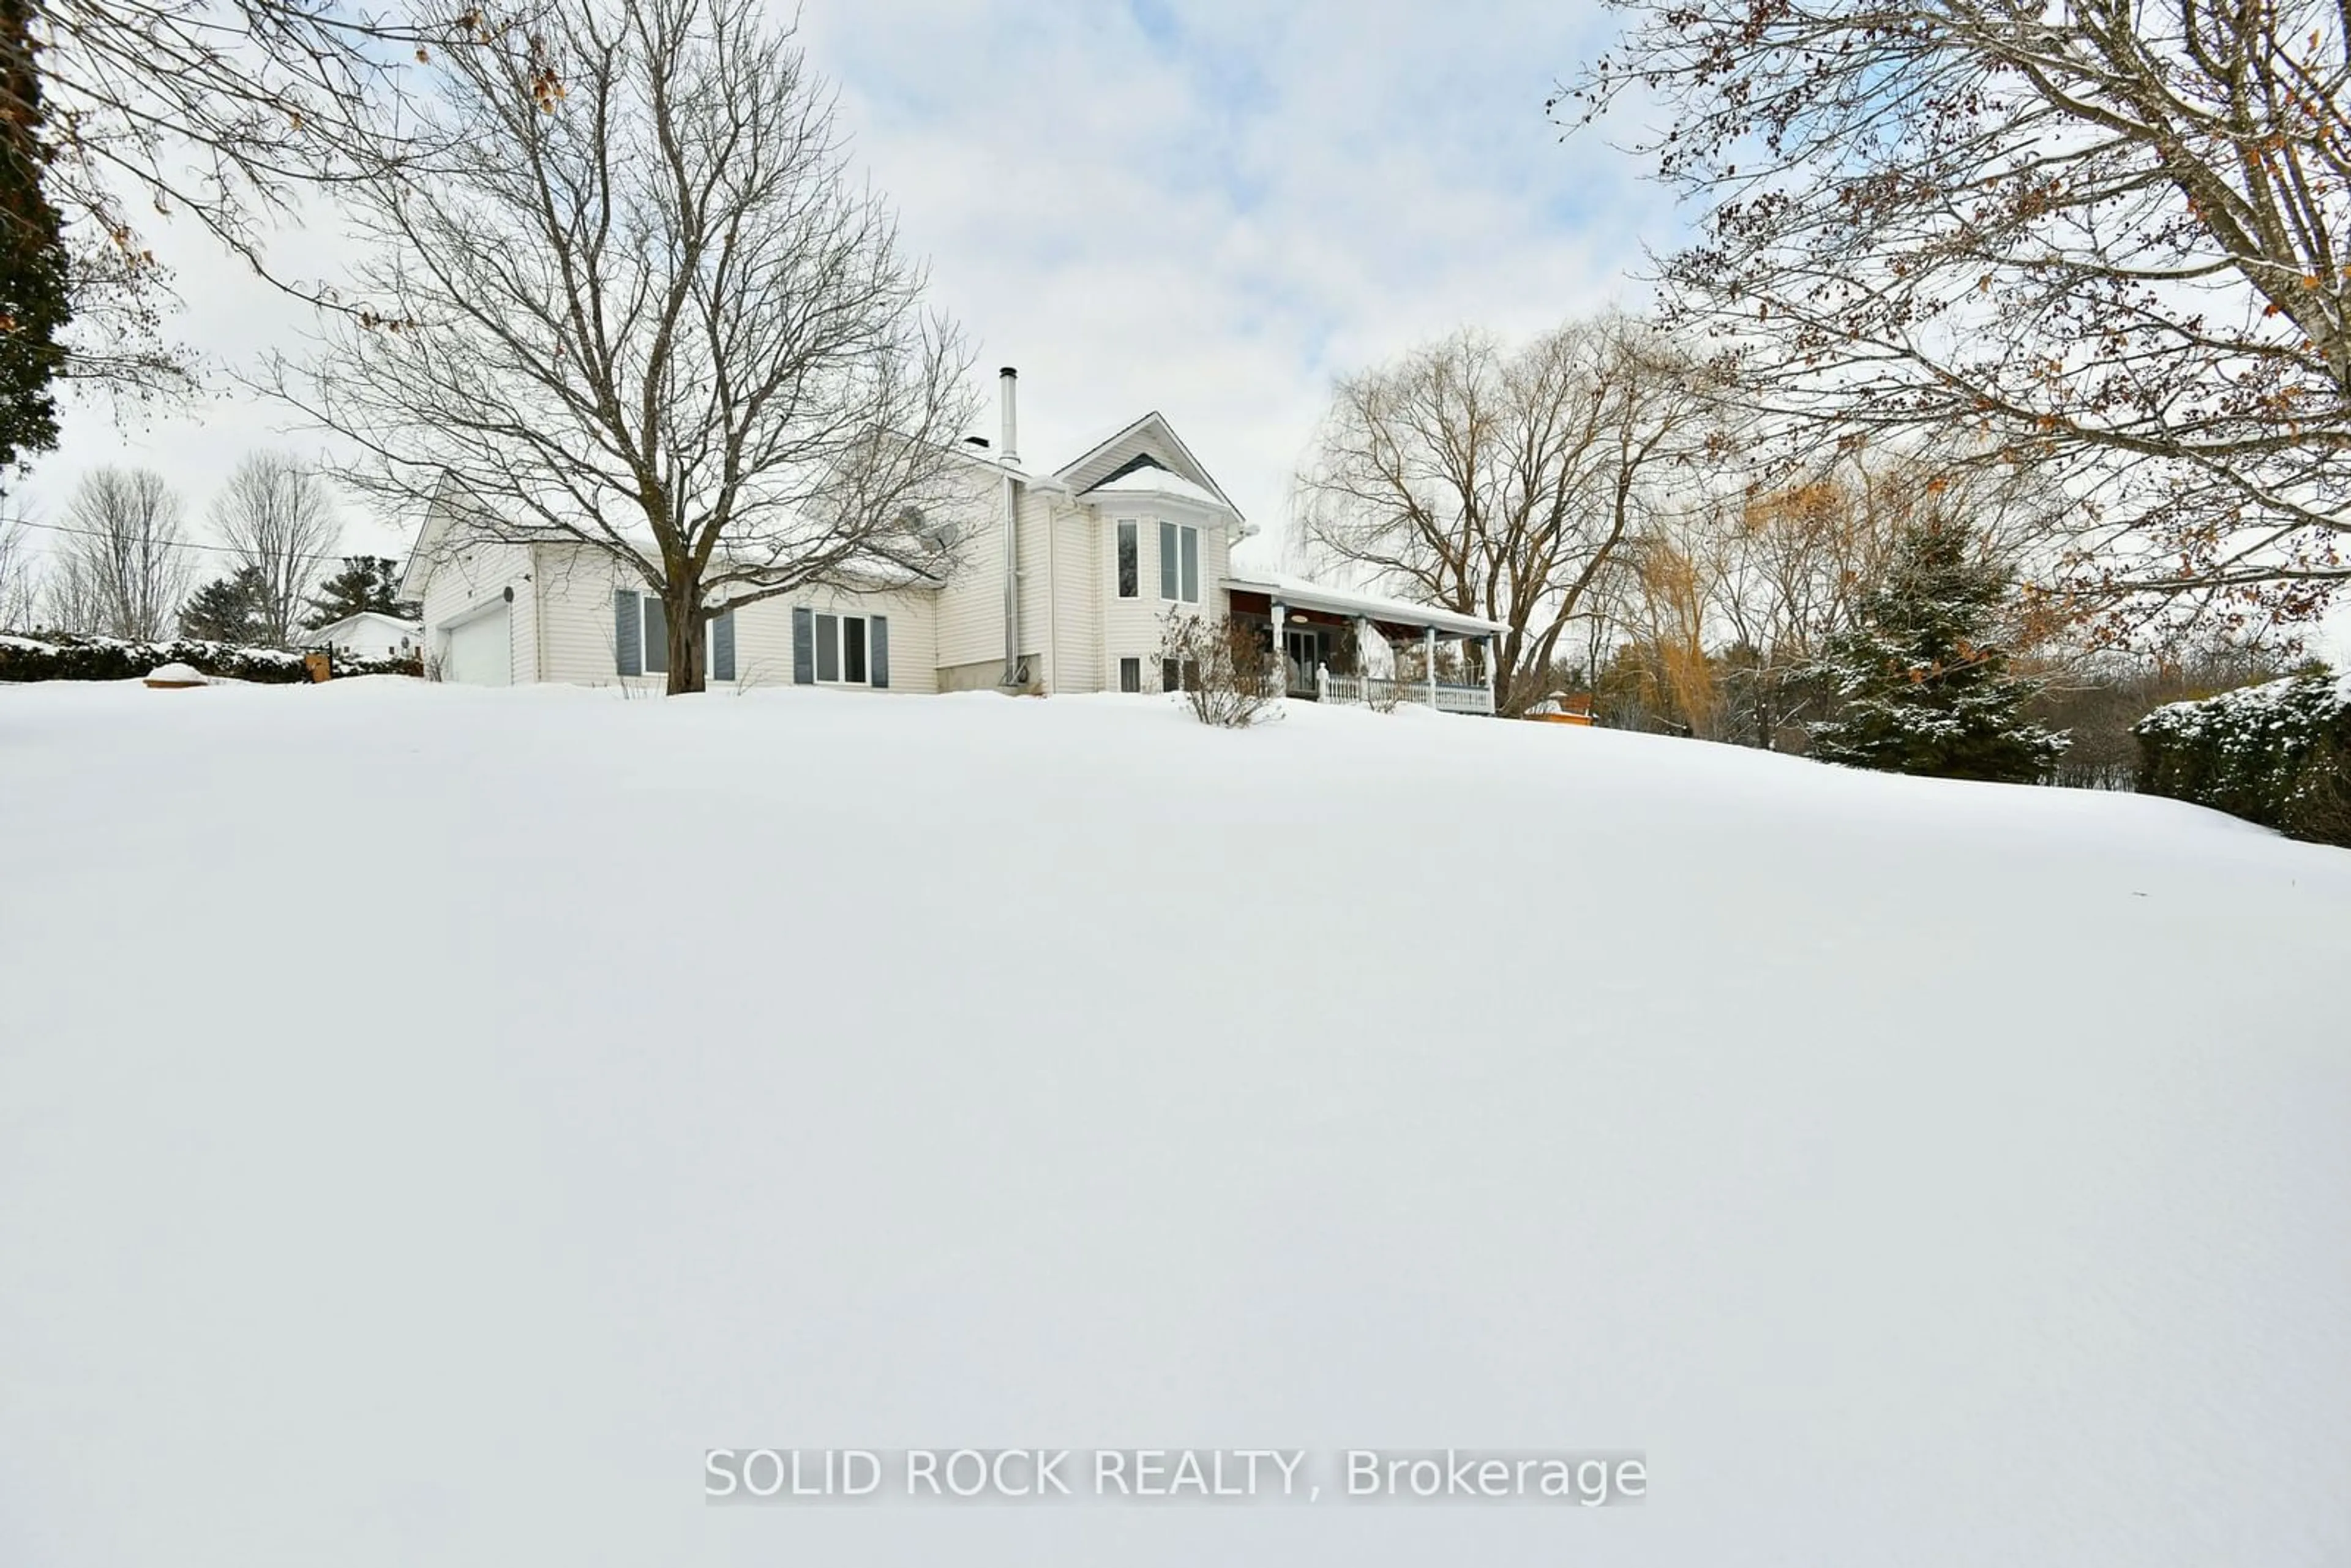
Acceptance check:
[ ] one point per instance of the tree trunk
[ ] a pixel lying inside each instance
(688, 648)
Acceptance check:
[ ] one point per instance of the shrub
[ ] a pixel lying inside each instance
(2278, 754)
(74, 656)
(1228, 672)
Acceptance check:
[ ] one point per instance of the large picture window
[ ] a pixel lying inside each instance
(1130, 561)
(1179, 563)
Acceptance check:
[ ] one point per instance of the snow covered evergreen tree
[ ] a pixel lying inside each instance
(366, 582)
(1925, 686)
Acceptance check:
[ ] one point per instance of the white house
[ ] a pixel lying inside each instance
(1055, 581)
(369, 633)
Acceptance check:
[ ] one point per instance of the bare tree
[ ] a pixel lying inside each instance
(652, 315)
(125, 563)
(2106, 238)
(20, 582)
(221, 115)
(1502, 484)
(276, 516)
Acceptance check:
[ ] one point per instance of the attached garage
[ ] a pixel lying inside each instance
(481, 649)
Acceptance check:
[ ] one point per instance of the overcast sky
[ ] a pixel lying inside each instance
(1207, 208)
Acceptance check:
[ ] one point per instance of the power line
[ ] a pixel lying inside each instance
(191, 544)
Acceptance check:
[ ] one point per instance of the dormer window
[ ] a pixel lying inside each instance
(1179, 563)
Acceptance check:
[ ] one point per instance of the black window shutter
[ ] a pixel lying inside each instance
(878, 667)
(722, 647)
(628, 633)
(803, 647)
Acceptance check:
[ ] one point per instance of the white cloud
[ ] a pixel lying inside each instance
(1208, 208)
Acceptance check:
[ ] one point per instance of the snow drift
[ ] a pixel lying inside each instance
(1912, 1173)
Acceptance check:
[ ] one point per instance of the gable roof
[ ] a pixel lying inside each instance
(318, 636)
(1150, 437)
(1145, 476)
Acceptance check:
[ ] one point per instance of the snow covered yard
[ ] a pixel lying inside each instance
(1915, 1173)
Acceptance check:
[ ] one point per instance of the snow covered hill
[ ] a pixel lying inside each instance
(1912, 1173)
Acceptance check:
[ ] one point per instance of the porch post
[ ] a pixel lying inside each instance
(1487, 644)
(1363, 658)
(1428, 641)
(1281, 647)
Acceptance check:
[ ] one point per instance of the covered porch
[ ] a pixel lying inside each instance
(1336, 645)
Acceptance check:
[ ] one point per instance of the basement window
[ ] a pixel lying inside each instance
(1130, 675)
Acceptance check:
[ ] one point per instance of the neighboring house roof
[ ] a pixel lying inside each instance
(1152, 437)
(1307, 595)
(377, 619)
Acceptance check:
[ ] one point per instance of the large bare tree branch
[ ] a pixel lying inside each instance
(2105, 239)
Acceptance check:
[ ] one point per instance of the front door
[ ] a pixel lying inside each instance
(1304, 650)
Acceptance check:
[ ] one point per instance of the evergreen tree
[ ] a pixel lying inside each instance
(227, 609)
(1924, 686)
(366, 582)
(34, 304)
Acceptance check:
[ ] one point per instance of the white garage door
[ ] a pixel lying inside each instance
(479, 652)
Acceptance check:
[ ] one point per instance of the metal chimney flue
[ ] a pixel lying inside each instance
(1007, 381)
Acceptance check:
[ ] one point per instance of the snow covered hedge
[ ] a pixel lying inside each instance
(72, 656)
(2278, 754)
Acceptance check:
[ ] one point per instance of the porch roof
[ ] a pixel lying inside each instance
(1301, 593)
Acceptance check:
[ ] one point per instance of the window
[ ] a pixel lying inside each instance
(1130, 675)
(722, 646)
(656, 635)
(1178, 674)
(1130, 561)
(853, 649)
(639, 634)
(828, 647)
(833, 649)
(1179, 563)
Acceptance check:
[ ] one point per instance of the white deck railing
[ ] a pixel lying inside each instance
(1450, 697)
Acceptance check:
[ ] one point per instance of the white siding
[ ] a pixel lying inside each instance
(1082, 586)
(466, 576)
(579, 585)
(1132, 627)
(970, 626)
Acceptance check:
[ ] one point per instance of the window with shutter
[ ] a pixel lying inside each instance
(881, 631)
(803, 647)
